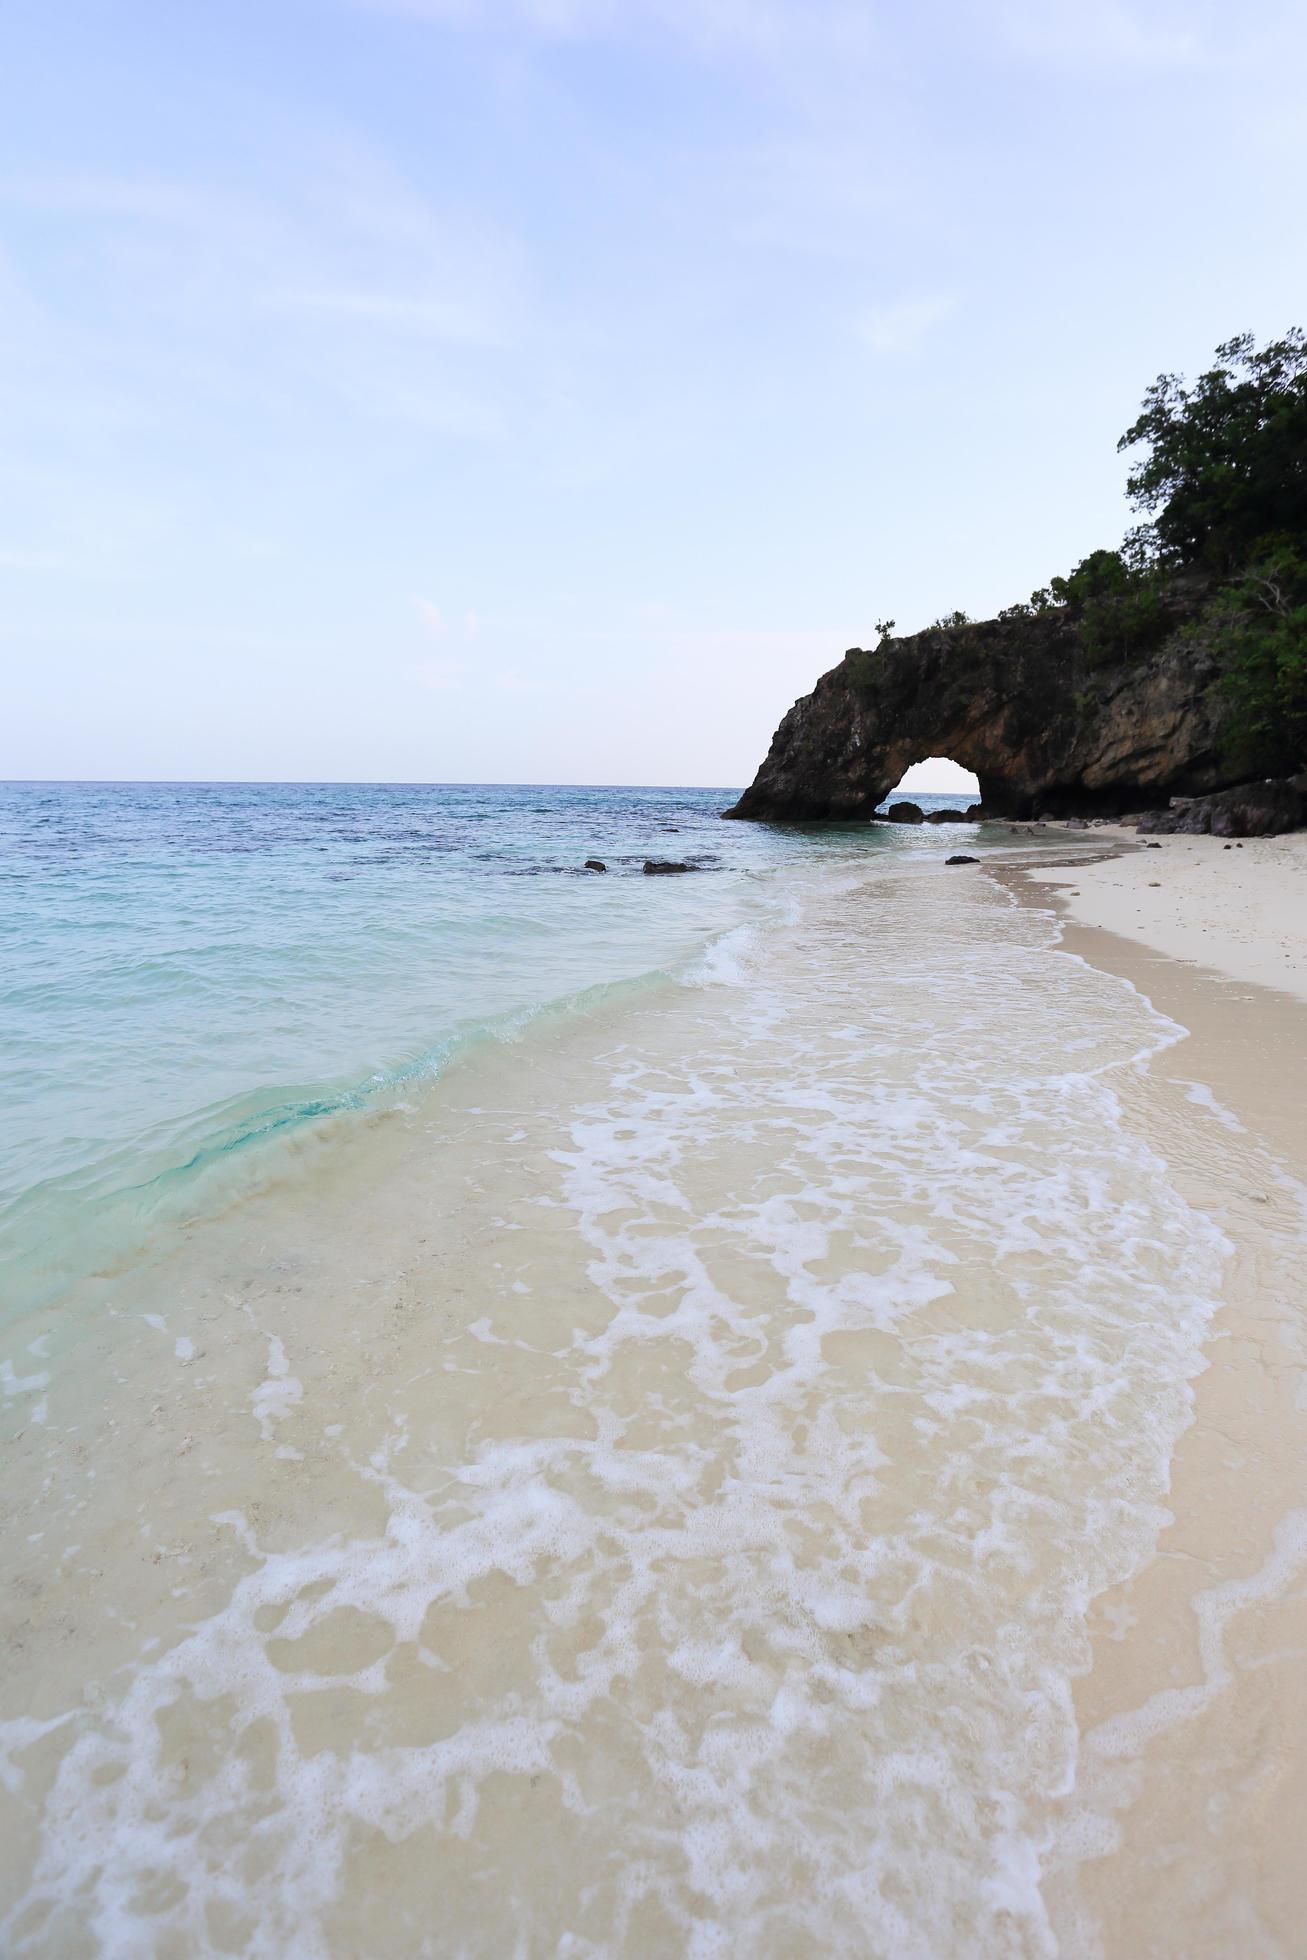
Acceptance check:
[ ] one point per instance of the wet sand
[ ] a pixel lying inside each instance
(806, 1463)
(1193, 1715)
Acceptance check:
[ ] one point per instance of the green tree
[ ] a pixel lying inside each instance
(1224, 469)
(1259, 621)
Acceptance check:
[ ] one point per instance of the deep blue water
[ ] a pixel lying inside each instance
(188, 971)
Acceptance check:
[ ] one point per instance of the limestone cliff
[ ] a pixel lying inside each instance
(1045, 723)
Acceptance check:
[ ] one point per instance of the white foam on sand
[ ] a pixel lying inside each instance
(778, 1627)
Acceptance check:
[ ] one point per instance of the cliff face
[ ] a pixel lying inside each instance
(1045, 726)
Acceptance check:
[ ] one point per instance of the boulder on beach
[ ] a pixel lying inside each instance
(959, 858)
(1263, 809)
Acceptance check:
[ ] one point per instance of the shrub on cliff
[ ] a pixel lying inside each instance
(1117, 600)
(1258, 624)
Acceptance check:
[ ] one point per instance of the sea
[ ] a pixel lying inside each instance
(567, 1412)
(190, 974)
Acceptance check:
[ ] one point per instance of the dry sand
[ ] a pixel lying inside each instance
(1240, 909)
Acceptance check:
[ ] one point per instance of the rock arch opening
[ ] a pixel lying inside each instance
(936, 777)
(934, 790)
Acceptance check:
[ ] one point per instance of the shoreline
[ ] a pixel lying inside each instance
(1237, 908)
(1196, 1694)
(708, 1380)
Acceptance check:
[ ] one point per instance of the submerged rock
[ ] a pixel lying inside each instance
(661, 867)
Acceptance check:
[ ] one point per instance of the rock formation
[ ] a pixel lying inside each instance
(1252, 810)
(1046, 724)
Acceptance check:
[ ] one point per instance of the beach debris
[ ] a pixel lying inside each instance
(595, 864)
(960, 858)
(662, 867)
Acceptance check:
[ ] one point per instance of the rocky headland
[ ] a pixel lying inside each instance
(1049, 725)
(1174, 667)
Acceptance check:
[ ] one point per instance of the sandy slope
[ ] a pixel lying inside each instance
(1191, 1713)
(1241, 911)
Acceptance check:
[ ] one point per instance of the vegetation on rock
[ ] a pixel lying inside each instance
(1222, 481)
(1173, 666)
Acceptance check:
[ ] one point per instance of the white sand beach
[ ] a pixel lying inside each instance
(808, 1461)
(1239, 908)
(1193, 1711)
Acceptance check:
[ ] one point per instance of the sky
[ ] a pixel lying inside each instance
(550, 390)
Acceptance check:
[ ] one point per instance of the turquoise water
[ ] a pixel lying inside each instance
(191, 972)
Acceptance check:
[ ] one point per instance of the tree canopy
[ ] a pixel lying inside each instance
(1224, 473)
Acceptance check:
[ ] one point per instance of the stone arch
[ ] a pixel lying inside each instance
(1018, 701)
(937, 776)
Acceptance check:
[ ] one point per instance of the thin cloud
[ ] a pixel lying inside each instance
(903, 326)
(771, 29)
(439, 676)
(1109, 34)
(17, 560)
(366, 288)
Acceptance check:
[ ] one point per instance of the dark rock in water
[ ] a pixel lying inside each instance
(1251, 810)
(595, 864)
(960, 859)
(975, 813)
(661, 867)
(945, 816)
(1027, 702)
(905, 813)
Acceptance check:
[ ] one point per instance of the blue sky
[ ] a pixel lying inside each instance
(551, 389)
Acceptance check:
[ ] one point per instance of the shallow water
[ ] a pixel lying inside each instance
(190, 974)
(642, 1494)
